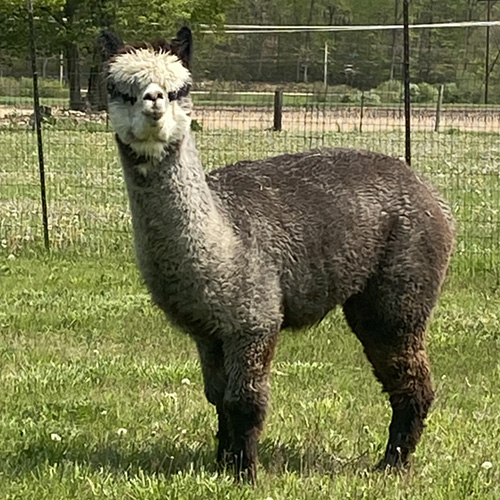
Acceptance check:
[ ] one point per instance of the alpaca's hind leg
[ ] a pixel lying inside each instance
(400, 363)
(248, 361)
(404, 372)
(214, 376)
(411, 397)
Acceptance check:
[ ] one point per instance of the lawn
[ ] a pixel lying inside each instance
(101, 398)
(88, 209)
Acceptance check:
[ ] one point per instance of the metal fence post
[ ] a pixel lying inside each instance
(406, 36)
(38, 122)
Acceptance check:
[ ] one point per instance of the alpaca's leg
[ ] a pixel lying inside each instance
(214, 376)
(403, 370)
(411, 397)
(248, 362)
(397, 354)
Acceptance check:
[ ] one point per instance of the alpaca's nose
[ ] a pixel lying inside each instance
(153, 95)
(153, 99)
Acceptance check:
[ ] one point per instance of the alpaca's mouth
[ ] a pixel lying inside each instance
(154, 116)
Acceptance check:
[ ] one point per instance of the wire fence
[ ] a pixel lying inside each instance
(456, 145)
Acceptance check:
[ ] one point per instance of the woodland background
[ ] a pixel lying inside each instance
(66, 32)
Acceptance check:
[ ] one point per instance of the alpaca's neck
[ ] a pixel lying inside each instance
(177, 219)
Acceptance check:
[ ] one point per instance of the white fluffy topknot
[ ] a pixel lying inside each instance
(130, 72)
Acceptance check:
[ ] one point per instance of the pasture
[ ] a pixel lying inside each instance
(101, 398)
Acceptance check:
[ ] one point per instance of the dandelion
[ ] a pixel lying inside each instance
(121, 432)
(487, 465)
(186, 381)
(55, 437)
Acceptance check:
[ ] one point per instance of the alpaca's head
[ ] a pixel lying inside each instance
(148, 92)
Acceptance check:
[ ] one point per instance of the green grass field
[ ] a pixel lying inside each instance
(101, 398)
(88, 209)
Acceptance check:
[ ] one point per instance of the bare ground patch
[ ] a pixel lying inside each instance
(306, 119)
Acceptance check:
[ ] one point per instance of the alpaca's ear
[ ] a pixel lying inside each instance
(110, 44)
(182, 45)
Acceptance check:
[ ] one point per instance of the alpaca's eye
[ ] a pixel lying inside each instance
(129, 98)
(113, 93)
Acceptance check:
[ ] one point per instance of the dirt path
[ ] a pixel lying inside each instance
(308, 119)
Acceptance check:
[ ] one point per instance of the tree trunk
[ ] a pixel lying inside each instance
(72, 57)
(73, 64)
(97, 98)
(394, 43)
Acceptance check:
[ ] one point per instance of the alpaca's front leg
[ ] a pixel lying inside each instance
(247, 360)
(215, 380)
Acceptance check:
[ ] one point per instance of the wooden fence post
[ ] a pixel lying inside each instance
(438, 108)
(278, 110)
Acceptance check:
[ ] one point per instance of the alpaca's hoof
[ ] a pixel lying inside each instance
(384, 466)
(248, 475)
(395, 459)
(224, 459)
(228, 462)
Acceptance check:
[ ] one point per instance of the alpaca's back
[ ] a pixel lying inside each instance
(329, 218)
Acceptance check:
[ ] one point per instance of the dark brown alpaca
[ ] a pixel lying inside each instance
(239, 254)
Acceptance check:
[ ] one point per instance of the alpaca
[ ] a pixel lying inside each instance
(237, 255)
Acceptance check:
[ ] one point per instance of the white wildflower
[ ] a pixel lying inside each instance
(104, 412)
(186, 381)
(121, 431)
(487, 465)
(55, 437)
(11, 256)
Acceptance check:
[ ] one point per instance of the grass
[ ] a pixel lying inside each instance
(84, 355)
(88, 209)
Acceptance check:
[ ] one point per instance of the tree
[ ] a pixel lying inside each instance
(71, 26)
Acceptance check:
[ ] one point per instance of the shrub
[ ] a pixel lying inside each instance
(451, 93)
(9, 86)
(372, 98)
(52, 88)
(390, 91)
(427, 93)
(467, 91)
(23, 87)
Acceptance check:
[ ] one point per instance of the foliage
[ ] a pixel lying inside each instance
(390, 91)
(23, 87)
(360, 59)
(425, 93)
(363, 60)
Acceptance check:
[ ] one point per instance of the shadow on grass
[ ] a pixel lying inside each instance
(165, 458)
(281, 457)
(154, 458)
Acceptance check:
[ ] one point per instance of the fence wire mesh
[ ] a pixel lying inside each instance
(455, 142)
